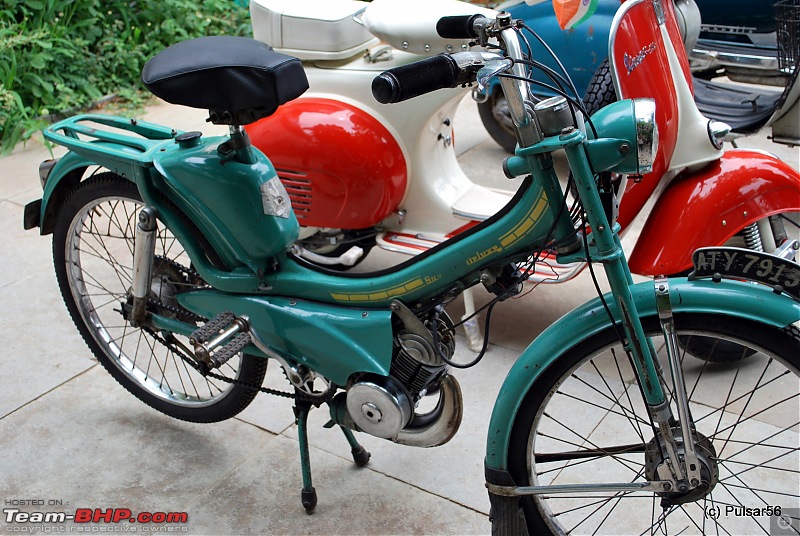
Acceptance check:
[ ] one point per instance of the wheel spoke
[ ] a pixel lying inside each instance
(583, 430)
(98, 256)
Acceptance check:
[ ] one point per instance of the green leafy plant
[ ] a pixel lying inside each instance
(62, 56)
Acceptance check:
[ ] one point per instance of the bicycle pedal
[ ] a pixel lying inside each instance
(224, 354)
(212, 328)
(220, 339)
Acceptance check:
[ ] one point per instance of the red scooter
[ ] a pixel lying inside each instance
(410, 194)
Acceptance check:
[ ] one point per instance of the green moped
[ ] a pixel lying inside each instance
(173, 252)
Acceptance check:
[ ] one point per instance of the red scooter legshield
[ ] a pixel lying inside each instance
(642, 66)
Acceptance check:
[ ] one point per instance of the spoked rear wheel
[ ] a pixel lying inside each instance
(584, 422)
(93, 257)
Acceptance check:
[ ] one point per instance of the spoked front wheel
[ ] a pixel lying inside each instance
(93, 257)
(584, 422)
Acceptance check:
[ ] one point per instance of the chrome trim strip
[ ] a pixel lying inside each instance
(716, 57)
(658, 7)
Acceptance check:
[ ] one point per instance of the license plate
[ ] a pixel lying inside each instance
(737, 263)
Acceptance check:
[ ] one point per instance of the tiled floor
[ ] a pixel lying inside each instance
(72, 438)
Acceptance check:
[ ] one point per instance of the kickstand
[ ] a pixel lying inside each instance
(360, 454)
(308, 495)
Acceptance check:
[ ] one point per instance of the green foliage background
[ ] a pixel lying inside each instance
(58, 57)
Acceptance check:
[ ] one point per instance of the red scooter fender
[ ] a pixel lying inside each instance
(708, 207)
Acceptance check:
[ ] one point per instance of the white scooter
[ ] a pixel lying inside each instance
(408, 193)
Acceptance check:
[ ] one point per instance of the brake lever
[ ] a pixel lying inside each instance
(490, 70)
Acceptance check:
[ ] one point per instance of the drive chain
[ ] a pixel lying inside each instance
(203, 369)
(190, 277)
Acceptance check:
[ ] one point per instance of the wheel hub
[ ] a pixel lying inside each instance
(706, 457)
(165, 283)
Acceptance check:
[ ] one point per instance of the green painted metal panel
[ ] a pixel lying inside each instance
(741, 300)
(224, 198)
(333, 341)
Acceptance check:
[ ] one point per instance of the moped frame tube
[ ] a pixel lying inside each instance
(618, 273)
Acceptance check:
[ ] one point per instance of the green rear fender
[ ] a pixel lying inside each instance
(64, 176)
(741, 300)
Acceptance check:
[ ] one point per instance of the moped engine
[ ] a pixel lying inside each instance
(384, 406)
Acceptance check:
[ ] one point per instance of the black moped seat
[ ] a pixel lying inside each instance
(239, 80)
(744, 110)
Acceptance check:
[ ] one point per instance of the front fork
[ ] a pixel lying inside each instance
(674, 473)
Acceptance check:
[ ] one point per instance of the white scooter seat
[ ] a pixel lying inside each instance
(311, 29)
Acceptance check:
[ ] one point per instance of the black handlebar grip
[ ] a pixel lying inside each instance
(457, 27)
(415, 79)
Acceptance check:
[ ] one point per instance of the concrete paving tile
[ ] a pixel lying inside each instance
(33, 367)
(263, 497)
(39, 312)
(43, 346)
(92, 444)
(270, 412)
(453, 470)
(26, 196)
(22, 252)
(20, 170)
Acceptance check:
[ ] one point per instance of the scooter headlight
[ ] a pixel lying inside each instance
(644, 111)
(627, 137)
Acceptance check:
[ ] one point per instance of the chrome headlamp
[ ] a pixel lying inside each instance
(644, 111)
(627, 137)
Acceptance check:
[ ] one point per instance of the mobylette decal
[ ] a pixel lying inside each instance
(397, 290)
(528, 222)
(516, 234)
(632, 62)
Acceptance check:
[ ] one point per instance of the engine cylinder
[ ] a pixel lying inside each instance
(415, 363)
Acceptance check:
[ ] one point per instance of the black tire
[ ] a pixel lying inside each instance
(496, 118)
(600, 91)
(587, 400)
(93, 256)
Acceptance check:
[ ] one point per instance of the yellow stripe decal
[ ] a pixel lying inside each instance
(399, 290)
(531, 219)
